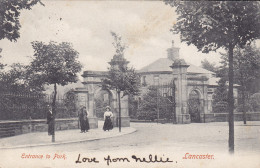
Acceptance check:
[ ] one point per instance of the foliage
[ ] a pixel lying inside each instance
(133, 106)
(9, 17)
(220, 107)
(246, 67)
(17, 80)
(210, 25)
(125, 80)
(12, 79)
(119, 45)
(1, 65)
(246, 74)
(151, 103)
(10, 25)
(54, 64)
(120, 77)
(150, 115)
(255, 102)
(101, 101)
(148, 106)
(247, 106)
(209, 66)
(220, 97)
(221, 92)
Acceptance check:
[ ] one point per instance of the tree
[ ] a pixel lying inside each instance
(9, 17)
(220, 97)
(209, 66)
(9, 21)
(54, 64)
(246, 72)
(152, 103)
(17, 80)
(1, 65)
(255, 101)
(148, 105)
(13, 79)
(1, 74)
(210, 25)
(121, 78)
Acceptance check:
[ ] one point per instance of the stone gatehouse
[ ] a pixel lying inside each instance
(193, 94)
(194, 85)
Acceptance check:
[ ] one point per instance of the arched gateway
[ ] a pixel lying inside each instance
(102, 98)
(194, 87)
(95, 98)
(194, 106)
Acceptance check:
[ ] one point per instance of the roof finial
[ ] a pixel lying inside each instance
(172, 43)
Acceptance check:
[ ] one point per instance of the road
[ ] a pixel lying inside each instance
(164, 140)
(191, 136)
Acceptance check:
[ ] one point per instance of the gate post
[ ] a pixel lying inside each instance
(84, 98)
(179, 68)
(125, 119)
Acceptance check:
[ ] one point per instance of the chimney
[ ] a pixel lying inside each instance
(173, 52)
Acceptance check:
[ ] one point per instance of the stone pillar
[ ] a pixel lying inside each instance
(179, 68)
(86, 98)
(202, 110)
(205, 95)
(210, 103)
(114, 104)
(125, 119)
(93, 121)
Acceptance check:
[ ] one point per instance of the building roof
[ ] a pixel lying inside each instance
(163, 64)
(213, 81)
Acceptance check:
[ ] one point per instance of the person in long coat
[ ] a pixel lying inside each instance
(83, 118)
(50, 120)
(108, 125)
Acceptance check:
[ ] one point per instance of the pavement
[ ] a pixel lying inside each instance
(61, 137)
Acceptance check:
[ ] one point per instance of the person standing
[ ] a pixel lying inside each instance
(85, 116)
(83, 119)
(108, 125)
(50, 120)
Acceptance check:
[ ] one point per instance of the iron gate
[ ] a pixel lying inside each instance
(194, 106)
(158, 103)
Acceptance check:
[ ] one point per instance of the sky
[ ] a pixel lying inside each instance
(144, 27)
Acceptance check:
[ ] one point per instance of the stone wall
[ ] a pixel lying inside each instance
(12, 128)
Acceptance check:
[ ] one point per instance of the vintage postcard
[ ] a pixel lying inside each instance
(160, 84)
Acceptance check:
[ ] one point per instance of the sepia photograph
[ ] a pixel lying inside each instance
(129, 83)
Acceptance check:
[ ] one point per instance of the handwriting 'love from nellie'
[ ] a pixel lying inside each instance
(108, 159)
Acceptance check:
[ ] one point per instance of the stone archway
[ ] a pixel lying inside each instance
(194, 106)
(102, 98)
(94, 91)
